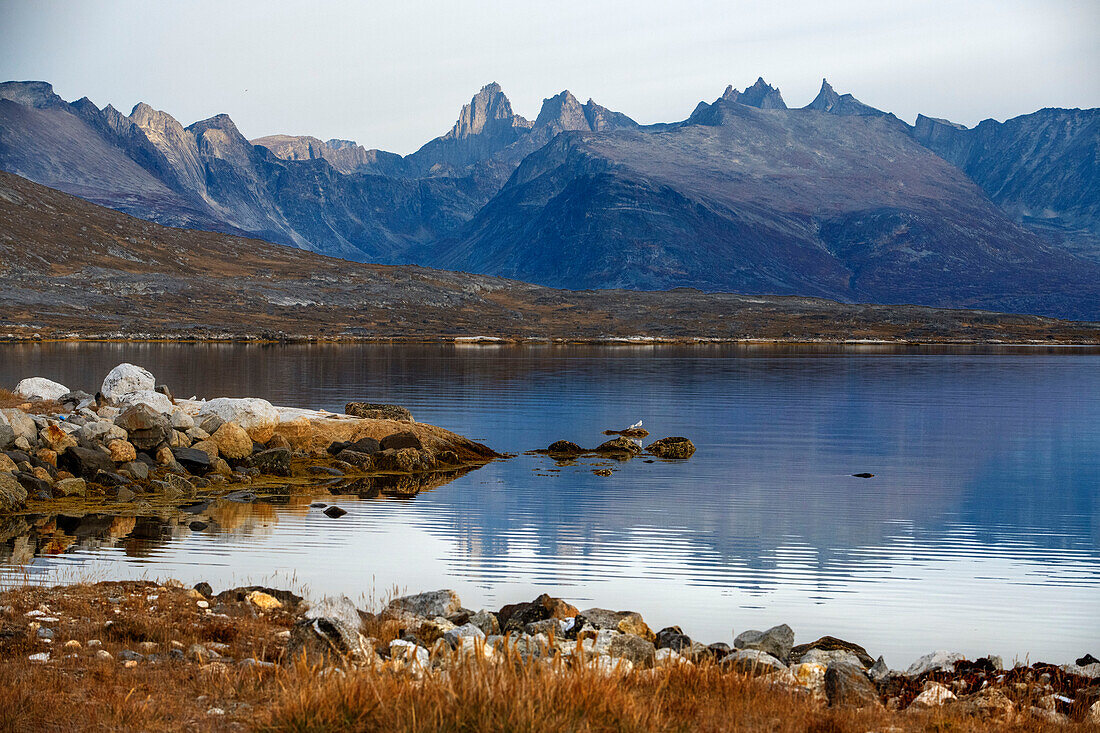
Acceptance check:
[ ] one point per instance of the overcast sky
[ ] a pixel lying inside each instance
(393, 75)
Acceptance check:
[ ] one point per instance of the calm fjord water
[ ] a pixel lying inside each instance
(980, 531)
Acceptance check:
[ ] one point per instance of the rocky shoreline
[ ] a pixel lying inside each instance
(133, 441)
(1083, 338)
(144, 625)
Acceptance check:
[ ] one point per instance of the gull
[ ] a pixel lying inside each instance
(636, 425)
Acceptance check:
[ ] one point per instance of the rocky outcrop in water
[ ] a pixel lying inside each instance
(121, 447)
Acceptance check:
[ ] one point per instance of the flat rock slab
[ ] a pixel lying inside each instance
(315, 433)
(378, 411)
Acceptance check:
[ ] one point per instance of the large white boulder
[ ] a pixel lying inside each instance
(40, 388)
(257, 417)
(155, 400)
(126, 379)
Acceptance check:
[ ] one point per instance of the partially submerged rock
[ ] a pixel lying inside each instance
(12, 494)
(673, 447)
(619, 447)
(564, 448)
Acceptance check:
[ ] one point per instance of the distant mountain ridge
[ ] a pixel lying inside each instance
(837, 199)
(878, 218)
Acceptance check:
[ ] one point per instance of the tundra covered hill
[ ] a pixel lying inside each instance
(70, 268)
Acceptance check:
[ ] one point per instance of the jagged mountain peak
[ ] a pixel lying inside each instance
(828, 101)
(760, 94)
(488, 107)
(146, 116)
(562, 112)
(38, 94)
(601, 118)
(218, 122)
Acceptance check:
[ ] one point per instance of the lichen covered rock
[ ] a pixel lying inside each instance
(126, 379)
(40, 388)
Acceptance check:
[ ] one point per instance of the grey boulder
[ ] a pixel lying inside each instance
(776, 641)
(937, 661)
(752, 661)
(848, 685)
(427, 605)
(638, 651)
(329, 632)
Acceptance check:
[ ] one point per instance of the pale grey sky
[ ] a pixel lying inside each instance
(393, 75)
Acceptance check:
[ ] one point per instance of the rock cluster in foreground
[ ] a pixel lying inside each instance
(133, 438)
(137, 624)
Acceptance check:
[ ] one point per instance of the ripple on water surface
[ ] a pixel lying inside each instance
(979, 531)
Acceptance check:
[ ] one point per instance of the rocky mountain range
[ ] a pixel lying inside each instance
(835, 199)
(70, 268)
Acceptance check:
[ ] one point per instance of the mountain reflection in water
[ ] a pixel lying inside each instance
(979, 531)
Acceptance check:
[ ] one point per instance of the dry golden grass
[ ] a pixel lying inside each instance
(519, 698)
(41, 407)
(84, 693)
(502, 699)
